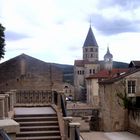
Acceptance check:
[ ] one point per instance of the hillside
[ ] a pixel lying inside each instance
(68, 70)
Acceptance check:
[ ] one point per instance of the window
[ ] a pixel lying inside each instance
(66, 86)
(90, 71)
(96, 50)
(91, 49)
(131, 86)
(86, 49)
(93, 70)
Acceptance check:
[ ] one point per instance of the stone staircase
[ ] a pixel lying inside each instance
(38, 127)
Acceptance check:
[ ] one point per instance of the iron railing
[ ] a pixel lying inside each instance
(63, 107)
(4, 135)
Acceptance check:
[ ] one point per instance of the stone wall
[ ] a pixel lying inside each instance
(134, 122)
(28, 73)
(113, 116)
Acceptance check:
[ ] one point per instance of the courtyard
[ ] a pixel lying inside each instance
(109, 136)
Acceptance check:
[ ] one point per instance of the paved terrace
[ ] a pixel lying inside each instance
(109, 136)
(34, 110)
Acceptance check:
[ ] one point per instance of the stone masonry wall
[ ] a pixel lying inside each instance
(113, 115)
(33, 74)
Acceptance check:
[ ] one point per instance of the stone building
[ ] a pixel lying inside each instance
(114, 116)
(92, 83)
(28, 73)
(108, 60)
(68, 90)
(89, 65)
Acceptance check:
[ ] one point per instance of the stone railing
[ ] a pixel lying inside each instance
(33, 97)
(37, 98)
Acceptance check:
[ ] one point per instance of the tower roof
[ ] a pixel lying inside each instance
(90, 39)
(108, 54)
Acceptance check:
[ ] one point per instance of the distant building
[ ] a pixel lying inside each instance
(92, 84)
(27, 73)
(68, 90)
(134, 64)
(108, 60)
(89, 65)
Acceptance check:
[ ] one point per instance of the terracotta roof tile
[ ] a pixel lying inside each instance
(107, 74)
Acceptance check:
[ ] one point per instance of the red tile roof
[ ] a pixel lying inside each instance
(106, 74)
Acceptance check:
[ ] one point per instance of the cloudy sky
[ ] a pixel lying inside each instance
(55, 30)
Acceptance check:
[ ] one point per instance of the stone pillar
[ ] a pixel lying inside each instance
(11, 96)
(73, 127)
(14, 91)
(11, 127)
(2, 107)
(52, 97)
(67, 120)
(59, 100)
(6, 105)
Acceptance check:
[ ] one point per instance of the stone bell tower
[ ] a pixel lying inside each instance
(108, 60)
(90, 47)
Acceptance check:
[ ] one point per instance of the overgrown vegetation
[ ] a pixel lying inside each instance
(128, 103)
(125, 100)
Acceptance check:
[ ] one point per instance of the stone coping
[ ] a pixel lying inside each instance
(74, 124)
(9, 125)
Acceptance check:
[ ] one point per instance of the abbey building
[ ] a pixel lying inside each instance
(89, 65)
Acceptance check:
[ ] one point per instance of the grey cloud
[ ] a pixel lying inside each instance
(124, 4)
(114, 25)
(10, 35)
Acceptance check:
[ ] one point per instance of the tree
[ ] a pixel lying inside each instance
(2, 41)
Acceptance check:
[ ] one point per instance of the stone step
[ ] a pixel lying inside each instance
(40, 138)
(39, 128)
(39, 123)
(35, 126)
(43, 118)
(38, 133)
(34, 115)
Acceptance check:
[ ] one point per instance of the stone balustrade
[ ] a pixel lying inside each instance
(37, 98)
(34, 97)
